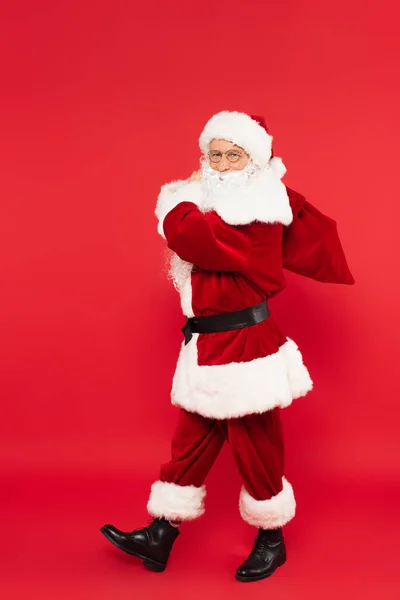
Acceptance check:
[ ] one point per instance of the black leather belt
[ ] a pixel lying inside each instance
(228, 321)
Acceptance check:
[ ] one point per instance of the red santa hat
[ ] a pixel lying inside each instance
(248, 132)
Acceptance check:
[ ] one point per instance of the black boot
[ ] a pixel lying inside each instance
(267, 555)
(152, 544)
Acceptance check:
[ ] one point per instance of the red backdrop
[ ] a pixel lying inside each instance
(101, 103)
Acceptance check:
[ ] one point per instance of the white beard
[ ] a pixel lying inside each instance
(179, 271)
(252, 193)
(221, 185)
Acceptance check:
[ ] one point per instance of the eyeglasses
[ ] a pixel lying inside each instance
(232, 155)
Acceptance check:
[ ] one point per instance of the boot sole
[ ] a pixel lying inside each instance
(151, 564)
(259, 577)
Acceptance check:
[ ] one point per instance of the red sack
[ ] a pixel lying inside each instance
(311, 244)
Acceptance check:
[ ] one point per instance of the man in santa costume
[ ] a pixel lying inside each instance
(233, 227)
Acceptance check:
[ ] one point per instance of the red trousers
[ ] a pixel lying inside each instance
(257, 445)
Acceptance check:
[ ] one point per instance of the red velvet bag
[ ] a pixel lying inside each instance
(311, 244)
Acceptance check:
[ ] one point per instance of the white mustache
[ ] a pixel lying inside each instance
(217, 180)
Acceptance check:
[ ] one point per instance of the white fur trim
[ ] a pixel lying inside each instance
(174, 193)
(268, 514)
(240, 129)
(176, 502)
(239, 388)
(277, 166)
(298, 376)
(265, 199)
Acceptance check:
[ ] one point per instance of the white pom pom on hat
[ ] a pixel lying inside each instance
(248, 132)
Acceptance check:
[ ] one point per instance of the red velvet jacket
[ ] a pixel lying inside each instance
(232, 373)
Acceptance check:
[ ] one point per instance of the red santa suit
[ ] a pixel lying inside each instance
(230, 252)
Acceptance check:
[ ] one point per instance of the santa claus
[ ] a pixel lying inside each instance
(233, 228)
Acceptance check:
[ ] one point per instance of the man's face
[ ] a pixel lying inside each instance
(235, 160)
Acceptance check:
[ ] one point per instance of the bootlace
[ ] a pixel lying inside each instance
(260, 545)
(263, 541)
(151, 523)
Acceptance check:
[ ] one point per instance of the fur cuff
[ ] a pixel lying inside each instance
(268, 514)
(176, 502)
(174, 193)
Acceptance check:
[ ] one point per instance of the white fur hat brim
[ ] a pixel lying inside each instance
(240, 129)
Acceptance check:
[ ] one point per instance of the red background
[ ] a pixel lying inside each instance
(101, 103)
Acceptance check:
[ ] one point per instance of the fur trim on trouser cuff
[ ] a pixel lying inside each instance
(268, 514)
(176, 502)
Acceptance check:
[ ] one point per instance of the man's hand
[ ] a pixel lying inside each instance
(195, 176)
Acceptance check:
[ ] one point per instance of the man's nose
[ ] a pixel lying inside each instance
(223, 164)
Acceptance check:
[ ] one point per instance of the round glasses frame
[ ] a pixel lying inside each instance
(232, 155)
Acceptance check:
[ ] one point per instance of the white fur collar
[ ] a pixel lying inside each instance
(265, 199)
